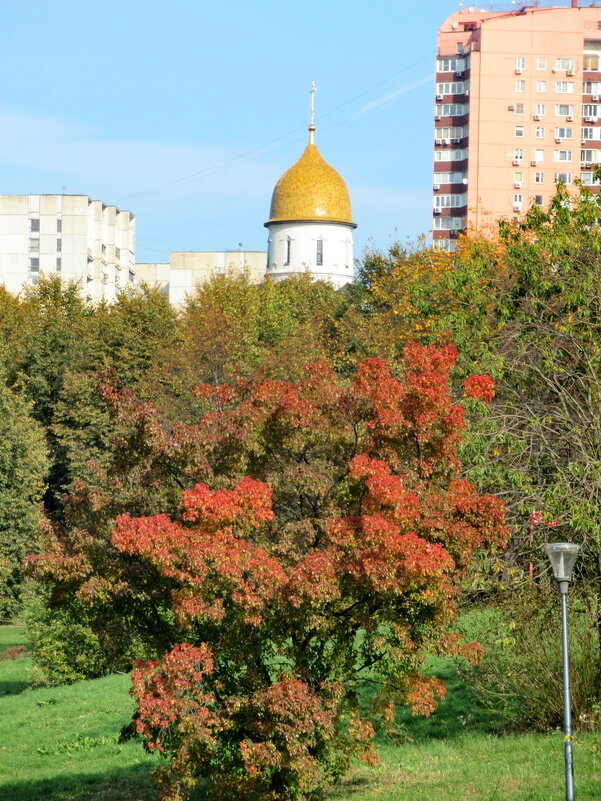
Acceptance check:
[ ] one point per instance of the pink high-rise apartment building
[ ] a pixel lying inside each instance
(518, 108)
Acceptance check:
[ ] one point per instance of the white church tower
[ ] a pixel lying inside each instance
(310, 223)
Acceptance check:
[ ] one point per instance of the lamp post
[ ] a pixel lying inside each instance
(562, 556)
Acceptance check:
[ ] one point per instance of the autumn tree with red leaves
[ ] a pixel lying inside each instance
(321, 540)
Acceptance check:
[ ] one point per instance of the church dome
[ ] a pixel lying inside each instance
(311, 190)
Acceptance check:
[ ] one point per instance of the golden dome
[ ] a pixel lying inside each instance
(311, 190)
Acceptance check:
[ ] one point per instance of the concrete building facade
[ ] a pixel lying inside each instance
(517, 109)
(72, 236)
(186, 270)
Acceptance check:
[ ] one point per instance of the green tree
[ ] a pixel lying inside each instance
(23, 469)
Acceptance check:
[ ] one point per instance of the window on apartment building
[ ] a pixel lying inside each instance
(562, 155)
(520, 85)
(449, 223)
(34, 264)
(590, 110)
(103, 249)
(451, 109)
(59, 226)
(590, 156)
(451, 132)
(449, 177)
(520, 63)
(449, 201)
(34, 225)
(564, 109)
(541, 63)
(450, 155)
(518, 154)
(117, 253)
(564, 87)
(519, 108)
(590, 63)
(517, 199)
(591, 88)
(563, 133)
(539, 155)
(450, 64)
(588, 133)
(519, 130)
(564, 64)
(518, 177)
(540, 132)
(319, 253)
(451, 87)
(34, 245)
(538, 177)
(587, 178)
(59, 263)
(538, 199)
(59, 245)
(541, 86)
(563, 178)
(540, 109)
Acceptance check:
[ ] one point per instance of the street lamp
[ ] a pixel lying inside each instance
(562, 556)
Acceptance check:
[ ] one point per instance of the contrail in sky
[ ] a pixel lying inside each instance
(403, 90)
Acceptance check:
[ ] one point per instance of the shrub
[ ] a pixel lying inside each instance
(521, 671)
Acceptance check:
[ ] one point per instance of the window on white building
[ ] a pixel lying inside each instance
(288, 246)
(34, 264)
(34, 245)
(34, 225)
(319, 253)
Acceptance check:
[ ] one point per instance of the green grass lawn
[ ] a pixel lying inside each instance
(60, 744)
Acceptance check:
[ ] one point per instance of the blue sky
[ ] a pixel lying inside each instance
(187, 112)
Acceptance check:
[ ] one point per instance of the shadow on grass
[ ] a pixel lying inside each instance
(9, 687)
(131, 784)
(459, 712)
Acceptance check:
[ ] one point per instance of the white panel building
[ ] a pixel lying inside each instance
(73, 236)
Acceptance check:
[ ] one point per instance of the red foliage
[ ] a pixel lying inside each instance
(329, 534)
(480, 387)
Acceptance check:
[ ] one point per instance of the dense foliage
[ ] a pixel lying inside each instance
(327, 541)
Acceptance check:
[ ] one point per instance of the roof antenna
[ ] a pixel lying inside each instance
(312, 122)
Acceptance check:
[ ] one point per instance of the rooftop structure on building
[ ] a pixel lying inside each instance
(73, 236)
(517, 109)
(310, 222)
